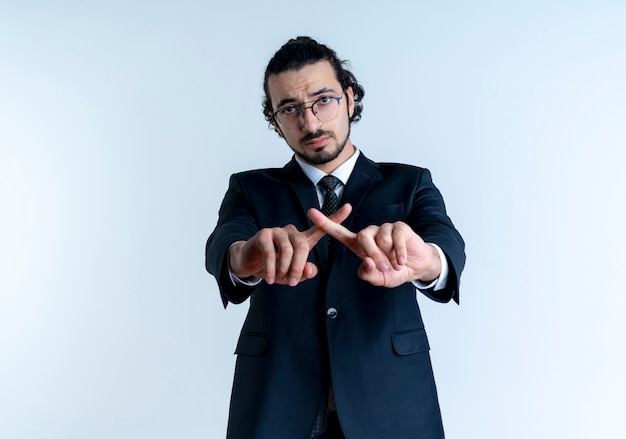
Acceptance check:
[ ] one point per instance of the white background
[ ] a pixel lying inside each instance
(121, 121)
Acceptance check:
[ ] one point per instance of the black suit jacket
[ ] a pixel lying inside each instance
(374, 347)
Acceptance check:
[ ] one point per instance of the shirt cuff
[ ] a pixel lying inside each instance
(249, 281)
(442, 280)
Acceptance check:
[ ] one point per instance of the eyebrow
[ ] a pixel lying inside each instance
(314, 94)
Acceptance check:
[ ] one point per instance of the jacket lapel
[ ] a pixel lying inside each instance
(364, 175)
(301, 185)
(307, 196)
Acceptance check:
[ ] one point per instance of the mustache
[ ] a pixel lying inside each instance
(315, 135)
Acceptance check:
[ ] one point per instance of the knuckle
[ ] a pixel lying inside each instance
(384, 240)
(286, 249)
(265, 234)
(362, 236)
(301, 246)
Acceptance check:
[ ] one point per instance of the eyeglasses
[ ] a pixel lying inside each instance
(325, 109)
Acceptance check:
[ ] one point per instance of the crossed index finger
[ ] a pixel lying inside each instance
(315, 233)
(329, 226)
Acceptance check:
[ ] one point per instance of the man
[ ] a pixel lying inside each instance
(333, 344)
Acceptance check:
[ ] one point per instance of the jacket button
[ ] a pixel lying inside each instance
(331, 313)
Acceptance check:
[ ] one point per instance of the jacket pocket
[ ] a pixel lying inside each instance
(411, 342)
(251, 344)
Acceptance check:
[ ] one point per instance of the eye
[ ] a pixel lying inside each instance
(325, 100)
(287, 110)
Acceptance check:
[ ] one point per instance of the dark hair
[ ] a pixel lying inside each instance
(300, 52)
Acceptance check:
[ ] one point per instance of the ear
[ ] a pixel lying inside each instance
(273, 125)
(350, 96)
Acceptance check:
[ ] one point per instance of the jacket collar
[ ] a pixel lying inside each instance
(364, 175)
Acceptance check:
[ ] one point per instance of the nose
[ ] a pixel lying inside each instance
(310, 122)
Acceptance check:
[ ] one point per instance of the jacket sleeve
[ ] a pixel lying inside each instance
(234, 223)
(429, 219)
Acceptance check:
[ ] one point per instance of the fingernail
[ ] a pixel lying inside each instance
(293, 281)
(401, 260)
(383, 266)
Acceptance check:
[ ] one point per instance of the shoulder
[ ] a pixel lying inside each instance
(255, 176)
(251, 173)
(390, 168)
(289, 169)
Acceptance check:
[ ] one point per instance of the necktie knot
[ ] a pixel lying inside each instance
(331, 202)
(329, 182)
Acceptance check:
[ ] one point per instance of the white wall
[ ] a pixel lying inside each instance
(120, 123)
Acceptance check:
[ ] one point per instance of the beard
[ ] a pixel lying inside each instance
(323, 155)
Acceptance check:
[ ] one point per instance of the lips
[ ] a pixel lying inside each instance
(317, 142)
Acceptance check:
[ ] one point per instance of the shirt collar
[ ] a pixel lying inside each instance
(342, 172)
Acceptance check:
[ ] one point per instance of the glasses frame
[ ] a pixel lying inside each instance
(303, 107)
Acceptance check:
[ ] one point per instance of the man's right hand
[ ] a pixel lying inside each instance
(280, 254)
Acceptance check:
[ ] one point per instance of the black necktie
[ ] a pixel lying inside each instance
(331, 202)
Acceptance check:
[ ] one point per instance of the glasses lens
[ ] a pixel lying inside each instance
(326, 109)
(288, 116)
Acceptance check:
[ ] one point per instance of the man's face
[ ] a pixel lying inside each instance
(327, 144)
